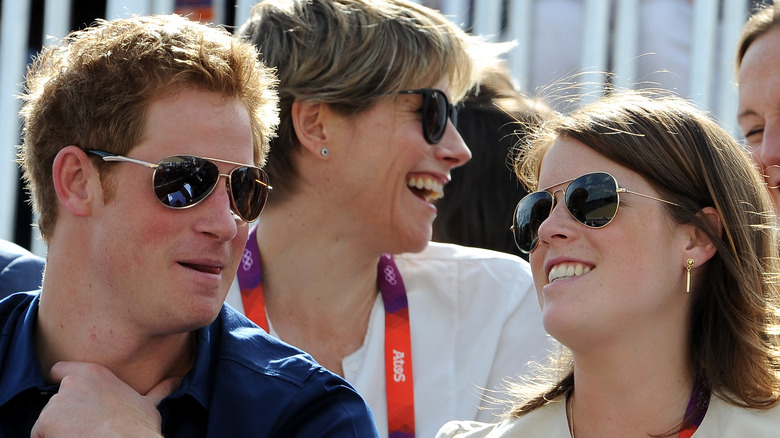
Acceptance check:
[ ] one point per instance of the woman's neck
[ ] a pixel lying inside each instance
(319, 289)
(630, 398)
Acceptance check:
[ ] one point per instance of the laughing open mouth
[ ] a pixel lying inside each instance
(425, 188)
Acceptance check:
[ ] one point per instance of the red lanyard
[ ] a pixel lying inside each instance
(399, 381)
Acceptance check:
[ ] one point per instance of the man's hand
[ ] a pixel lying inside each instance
(93, 402)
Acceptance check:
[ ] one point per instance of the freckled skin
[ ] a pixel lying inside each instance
(620, 294)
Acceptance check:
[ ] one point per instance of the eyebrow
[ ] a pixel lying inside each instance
(745, 113)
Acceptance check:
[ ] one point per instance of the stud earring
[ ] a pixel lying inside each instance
(688, 265)
(324, 152)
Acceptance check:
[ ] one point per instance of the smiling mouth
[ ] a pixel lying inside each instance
(214, 270)
(425, 188)
(567, 270)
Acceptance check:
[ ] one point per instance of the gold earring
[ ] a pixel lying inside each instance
(688, 265)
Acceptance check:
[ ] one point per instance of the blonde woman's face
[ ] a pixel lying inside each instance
(386, 176)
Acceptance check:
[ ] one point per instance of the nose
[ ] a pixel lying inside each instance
(559, 225)
(769, 152)
(452, 149)
(217, 218)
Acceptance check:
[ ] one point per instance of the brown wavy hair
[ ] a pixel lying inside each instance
(734, 347)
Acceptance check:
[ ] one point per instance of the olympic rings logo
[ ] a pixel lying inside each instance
(246, 260)
(390, 275)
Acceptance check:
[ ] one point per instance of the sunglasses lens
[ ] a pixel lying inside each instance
(249, 188)
(530, 212)
(592, 199)
(435, 115)
(454, 115)
(182, 181)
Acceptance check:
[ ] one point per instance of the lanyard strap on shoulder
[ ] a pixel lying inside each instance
(399, 380)
(398, 350)
(250, 280)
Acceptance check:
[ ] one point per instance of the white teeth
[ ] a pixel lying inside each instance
(566, 270)
(433, 189)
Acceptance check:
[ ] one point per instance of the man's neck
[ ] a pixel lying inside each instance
(67, 332)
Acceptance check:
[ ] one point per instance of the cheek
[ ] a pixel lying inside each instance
(153, 230)
(142, 222)
(632, 251)
(403, 153)
(239, 242)
(537, 269)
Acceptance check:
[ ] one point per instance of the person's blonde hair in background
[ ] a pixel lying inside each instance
(758, 55)
(669, 315)
(349, 54)
(367, 142)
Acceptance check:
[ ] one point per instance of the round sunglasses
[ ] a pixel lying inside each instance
(592, 199)
(183, 181)
(436, 109)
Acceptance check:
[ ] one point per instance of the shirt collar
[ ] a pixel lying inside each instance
(21, 368)
(197, 383)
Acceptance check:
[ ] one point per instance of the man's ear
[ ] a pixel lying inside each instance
(700, 247)
(76, 181)
(307, 118)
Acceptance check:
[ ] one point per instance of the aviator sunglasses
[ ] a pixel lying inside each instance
(436, 109)
(592, 199)
(183, 181)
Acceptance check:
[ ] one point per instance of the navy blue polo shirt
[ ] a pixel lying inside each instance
(244, 383)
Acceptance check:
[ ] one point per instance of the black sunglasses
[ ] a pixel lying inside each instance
(182, 181)
(436, 109)
(592, 199)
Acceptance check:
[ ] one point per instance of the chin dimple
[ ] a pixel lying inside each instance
(567, 270)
